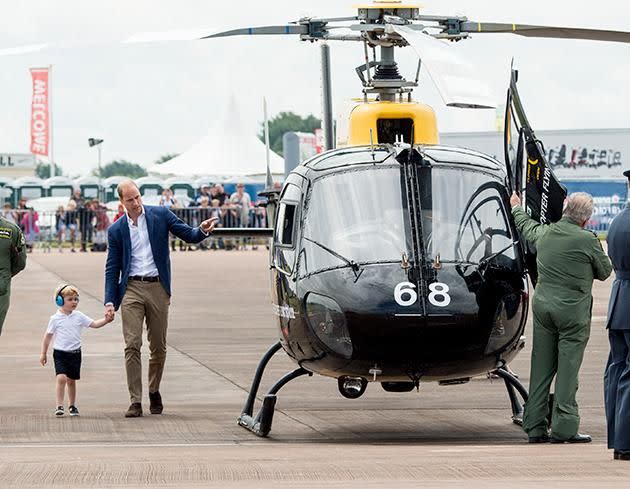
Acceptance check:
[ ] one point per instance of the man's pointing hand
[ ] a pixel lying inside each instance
(208, 225)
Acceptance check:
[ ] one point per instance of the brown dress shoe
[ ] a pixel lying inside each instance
(156, 403)
(134, 411)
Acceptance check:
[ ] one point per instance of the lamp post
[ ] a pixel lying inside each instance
(97, 142)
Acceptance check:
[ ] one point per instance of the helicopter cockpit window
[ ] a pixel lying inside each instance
(464, 218)
(285, 224)
(284, 235)
(358, 216)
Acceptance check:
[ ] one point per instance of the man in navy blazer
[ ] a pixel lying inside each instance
(617, 376)
(138, 281)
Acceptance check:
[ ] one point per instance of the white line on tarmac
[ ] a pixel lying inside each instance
(463, 449)
(126, 445)
(495, 448)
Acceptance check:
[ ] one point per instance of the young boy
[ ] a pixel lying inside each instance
(66, 326)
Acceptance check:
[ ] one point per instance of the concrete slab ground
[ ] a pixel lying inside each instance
(220, 324)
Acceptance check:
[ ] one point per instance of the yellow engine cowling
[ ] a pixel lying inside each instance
(390, 122)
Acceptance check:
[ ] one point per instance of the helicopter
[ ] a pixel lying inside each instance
(395, 260)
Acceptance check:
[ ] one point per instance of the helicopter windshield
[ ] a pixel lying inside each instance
(463, 216)
(361, 215)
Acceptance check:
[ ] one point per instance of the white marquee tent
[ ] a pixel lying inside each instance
(228, 150)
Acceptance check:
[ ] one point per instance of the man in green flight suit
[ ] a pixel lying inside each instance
(569, 259)
(12, 261)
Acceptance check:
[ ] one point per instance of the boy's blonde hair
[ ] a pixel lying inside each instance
(68, 290)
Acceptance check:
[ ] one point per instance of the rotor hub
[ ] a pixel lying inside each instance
(387, 72)
(377, 10)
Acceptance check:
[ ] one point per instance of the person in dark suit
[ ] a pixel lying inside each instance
(617, 375)
(138, 280)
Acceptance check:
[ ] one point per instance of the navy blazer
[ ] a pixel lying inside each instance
(618, 240)
(160, 221)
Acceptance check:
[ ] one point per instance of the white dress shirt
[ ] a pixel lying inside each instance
(142, 262)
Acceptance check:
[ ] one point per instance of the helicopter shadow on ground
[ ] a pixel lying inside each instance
(418, 427)
(468, 415)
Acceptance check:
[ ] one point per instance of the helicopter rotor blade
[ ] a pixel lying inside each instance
(453, 76)
(27, 49)
(264, 30)
(164, 36)
(545, 31)
(196, 34)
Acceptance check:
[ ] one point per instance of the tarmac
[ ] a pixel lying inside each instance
(221, 323)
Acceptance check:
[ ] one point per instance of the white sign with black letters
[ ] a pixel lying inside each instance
(17, 160)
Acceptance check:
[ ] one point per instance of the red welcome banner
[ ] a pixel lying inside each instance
(40, 112)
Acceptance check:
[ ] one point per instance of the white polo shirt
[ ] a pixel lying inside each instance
(67, 329)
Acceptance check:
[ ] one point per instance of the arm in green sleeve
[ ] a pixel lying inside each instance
(602, 267)
(529, 229)
(18, 253)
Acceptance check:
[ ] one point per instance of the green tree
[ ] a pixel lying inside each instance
(165, 158)
(42, 170)
(122, 168)
(287, 122)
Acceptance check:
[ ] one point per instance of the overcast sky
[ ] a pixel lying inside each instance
(148, 100)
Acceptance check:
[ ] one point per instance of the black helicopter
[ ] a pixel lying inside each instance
(396, 260)
(396, 263)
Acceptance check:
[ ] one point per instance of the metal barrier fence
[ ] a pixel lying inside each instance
(86, 228)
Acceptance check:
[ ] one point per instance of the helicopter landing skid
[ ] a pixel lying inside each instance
(260, 424)
(512, 384)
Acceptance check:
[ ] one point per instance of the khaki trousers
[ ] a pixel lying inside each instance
(144, 300)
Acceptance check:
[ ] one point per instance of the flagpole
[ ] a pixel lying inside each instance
(269, 182)
(50, 120)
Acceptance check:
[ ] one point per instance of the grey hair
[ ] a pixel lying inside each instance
(123, 184)
(579, 207)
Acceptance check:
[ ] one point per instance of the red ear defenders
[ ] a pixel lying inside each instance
(59, 299)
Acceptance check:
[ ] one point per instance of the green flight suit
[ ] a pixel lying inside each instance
(569, 259)
(12, 261)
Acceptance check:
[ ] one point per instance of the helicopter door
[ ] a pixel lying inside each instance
(465, 227)
(544, 195)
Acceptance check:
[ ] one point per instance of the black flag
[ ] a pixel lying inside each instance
(544, 193)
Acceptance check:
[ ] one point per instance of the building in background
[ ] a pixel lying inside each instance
(15, 165)
(299, 147)
(584, 160)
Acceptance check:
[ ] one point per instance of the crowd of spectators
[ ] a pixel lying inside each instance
(85, 219)
(83, 223)
(236, 210)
